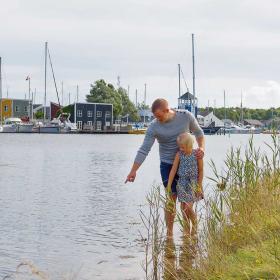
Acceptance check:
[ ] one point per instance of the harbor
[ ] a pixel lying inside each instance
(139, 140)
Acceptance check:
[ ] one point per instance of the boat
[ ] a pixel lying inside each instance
(239, 129)
(61, 124)
(16, 125)
(210, 130)
(137, 131)
(48, 128)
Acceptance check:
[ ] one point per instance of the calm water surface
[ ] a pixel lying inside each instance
(65, 207)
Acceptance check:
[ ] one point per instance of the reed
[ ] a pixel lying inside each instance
(239, 224)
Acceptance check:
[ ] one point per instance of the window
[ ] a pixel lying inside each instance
(89, 114)
(98, 125)
(108, 114)
(80, 125)
(79, 113)
(89, 123)
(6, 108)
(16, 109)
(25, 108)
(99, 114)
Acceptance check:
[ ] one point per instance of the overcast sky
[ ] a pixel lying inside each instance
(237, 46)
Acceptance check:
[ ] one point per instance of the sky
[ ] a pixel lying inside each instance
(237, 47)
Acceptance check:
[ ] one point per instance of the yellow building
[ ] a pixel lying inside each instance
(6, 108)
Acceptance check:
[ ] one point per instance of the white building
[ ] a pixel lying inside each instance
(206, 119)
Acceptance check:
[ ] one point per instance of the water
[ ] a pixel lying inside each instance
(64, 205)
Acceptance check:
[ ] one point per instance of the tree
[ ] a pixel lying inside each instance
(128, 106)
(39, 115)
(101, 92)
(143, 106)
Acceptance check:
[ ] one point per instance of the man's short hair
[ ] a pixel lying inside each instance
(159, 104)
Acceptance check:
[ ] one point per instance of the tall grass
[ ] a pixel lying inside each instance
(239, 236)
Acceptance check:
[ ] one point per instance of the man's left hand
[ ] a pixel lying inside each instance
(199, 153)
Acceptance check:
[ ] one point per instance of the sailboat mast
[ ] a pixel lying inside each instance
(77, 97)
(179, 76)
(45, 97)
(241, 115)
(225, 112)
(62, 93)
(193, 70)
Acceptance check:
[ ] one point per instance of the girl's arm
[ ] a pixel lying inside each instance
(200, 176)
(173, 172)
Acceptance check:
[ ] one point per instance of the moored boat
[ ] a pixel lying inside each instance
(14, 125)
(236, 129)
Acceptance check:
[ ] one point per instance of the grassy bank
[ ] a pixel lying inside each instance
(240, 225)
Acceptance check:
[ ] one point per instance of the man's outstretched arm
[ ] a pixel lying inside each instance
(141, 154)
(132, 174)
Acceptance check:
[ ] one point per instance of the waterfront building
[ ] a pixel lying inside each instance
(92, 116)
(188, 102)
(206, 119)
(15, 108)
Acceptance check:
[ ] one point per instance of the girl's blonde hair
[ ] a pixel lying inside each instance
(185, 139)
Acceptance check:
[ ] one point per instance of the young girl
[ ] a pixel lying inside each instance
(189, 185)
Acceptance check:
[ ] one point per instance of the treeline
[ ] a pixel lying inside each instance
(235, 113)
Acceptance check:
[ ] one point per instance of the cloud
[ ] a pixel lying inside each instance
(263, 96)
(237, 44)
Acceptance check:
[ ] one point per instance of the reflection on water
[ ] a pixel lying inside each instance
(177, 263)
(64, 205)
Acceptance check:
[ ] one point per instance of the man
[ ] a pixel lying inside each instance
(166, 127)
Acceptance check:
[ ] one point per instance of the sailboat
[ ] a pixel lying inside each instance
(62, 124)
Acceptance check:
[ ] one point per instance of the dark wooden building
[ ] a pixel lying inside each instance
(93, 116)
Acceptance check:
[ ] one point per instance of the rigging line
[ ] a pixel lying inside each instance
(184, 80)
(54, 79)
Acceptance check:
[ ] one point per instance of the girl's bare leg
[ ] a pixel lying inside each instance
(170, 213)
(190, 218)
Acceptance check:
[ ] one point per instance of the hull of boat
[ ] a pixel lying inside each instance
(210, 130)
(229, 131)
(137, 131)
(9, 129)
(48, 129)
(25, 128)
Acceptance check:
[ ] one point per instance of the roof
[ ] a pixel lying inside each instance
(16, 99)
(204, 113)
(92, 103)
(253, 122)
(187, 96)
